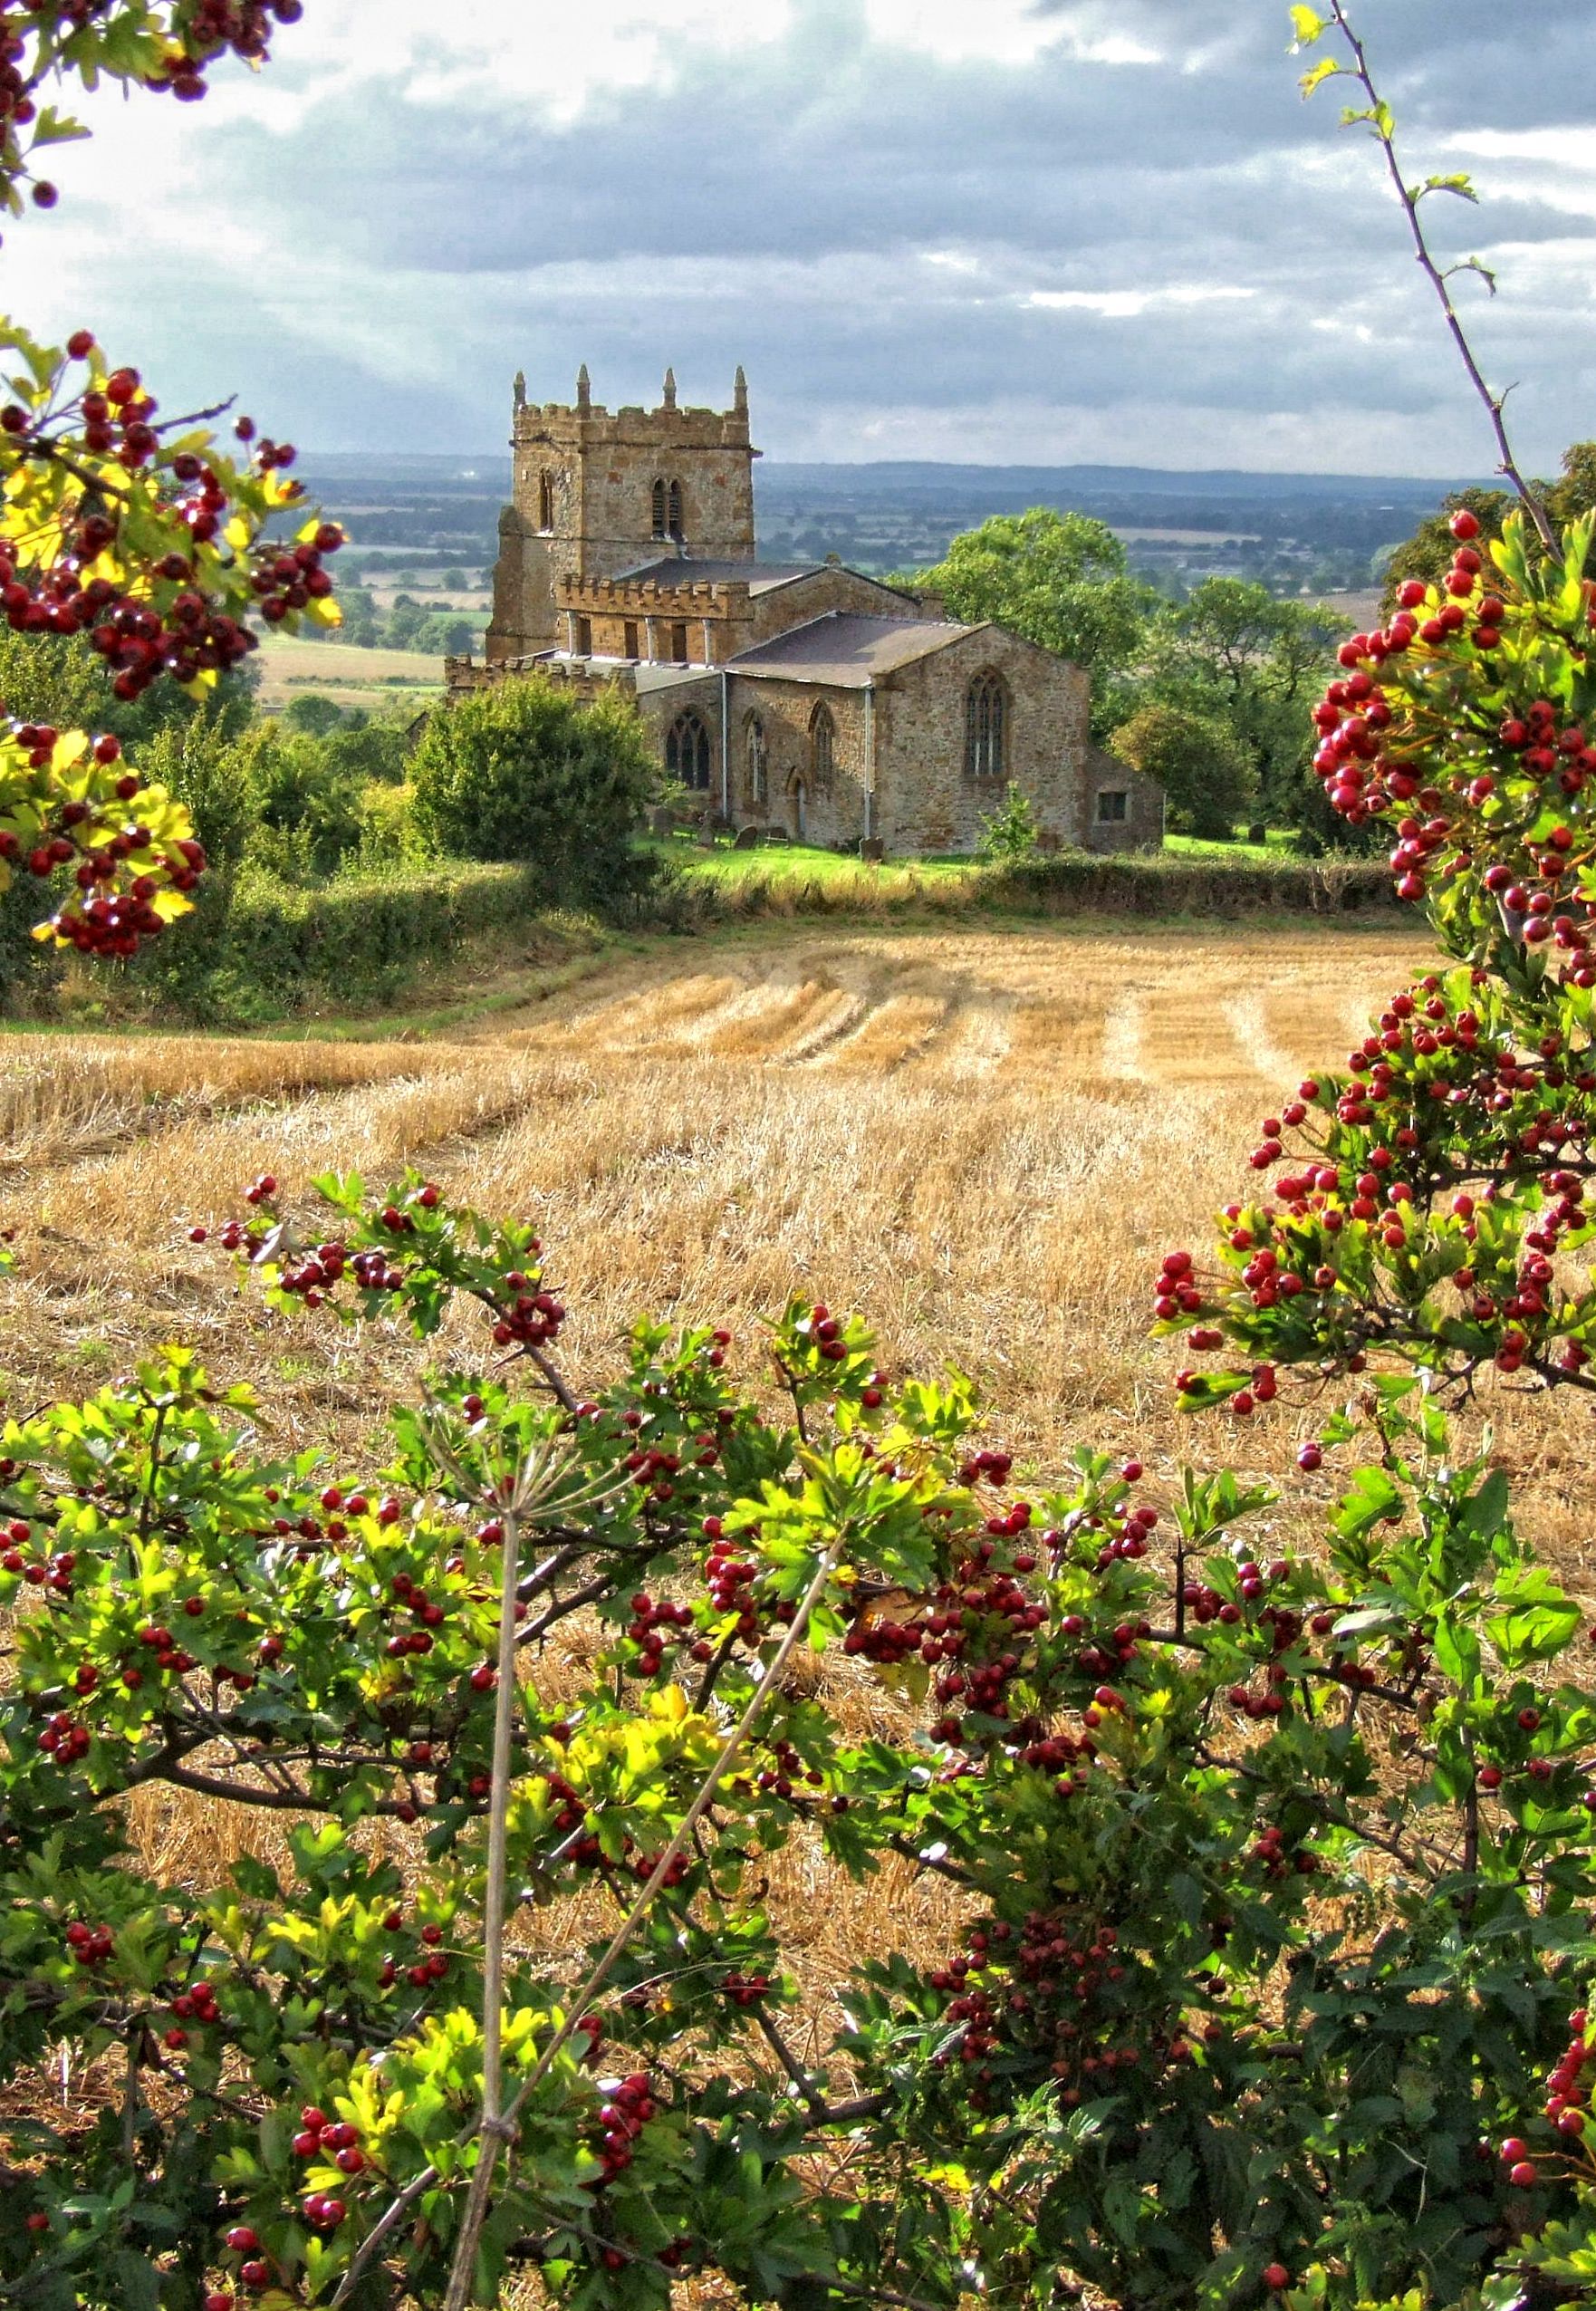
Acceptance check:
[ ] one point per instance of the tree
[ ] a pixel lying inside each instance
(1198, 761)
(1061, 579)
(307, 800)
(314, 715)
(1427, 554)
(1234, 653)
(522, 770)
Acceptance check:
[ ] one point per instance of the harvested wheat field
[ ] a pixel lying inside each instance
(980, 1138)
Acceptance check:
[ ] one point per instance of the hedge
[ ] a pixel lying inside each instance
(1134, 884)
(1070, 883)
(270, 947)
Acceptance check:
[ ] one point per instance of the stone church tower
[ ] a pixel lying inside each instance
(596, 493)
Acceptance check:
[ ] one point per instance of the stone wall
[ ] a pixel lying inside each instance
(1142, 826)
(927, 800)
(821, 591)
(798, 795)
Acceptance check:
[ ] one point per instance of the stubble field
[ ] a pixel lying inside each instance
(980, 1139)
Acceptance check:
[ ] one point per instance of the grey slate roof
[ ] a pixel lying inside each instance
(759, 577)
(849, 652)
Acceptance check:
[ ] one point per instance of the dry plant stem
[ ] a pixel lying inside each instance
(1495, 403)
(730, 1751)
(492, 2128)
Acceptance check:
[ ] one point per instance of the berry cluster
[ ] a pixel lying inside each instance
(1400, 740)
(627, 2107)
(66, 800)
(528, 1316)
(162, 619)
(729, 1574)
(650, 1628)
(253, 2270)
(199, 2005)
(90, 1946)
(335, 2139)
(213, 28)
(1047, 1993)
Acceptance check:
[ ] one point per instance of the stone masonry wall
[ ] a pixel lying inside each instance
(925, 799)
(822, 812)
(1142, 827)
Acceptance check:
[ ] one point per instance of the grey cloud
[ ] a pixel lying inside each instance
(780, 211)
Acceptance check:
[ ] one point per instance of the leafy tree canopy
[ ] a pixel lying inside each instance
(1060, 580)
(1199, 761)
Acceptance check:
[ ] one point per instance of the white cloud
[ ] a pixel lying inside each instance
(1129, 304)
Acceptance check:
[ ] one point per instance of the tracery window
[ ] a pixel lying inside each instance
(688, 751)
(823, 749)
(987, 727)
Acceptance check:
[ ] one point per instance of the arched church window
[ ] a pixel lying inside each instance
(546, 501)
(758, 763)
(674, 513)
(823, 749)
(987, 727)
(668, 510)
(688, 751)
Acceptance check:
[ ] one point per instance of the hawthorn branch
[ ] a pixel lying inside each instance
(1440, 280)
(809, 2094)
(492, 2128)
(428, 2178)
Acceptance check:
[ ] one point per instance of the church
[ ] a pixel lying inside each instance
(800, 699)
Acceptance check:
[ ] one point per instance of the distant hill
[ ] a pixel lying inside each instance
(1297, 532)
(1044, 484)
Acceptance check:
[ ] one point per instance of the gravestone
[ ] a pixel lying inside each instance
(748, 839)
(661, 823)
(872, 851)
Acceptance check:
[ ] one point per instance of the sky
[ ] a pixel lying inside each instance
(989, 231)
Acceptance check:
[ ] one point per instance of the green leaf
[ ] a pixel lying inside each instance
(1326, 68)
(1308, 26)
(54, 128)
(1460, 184)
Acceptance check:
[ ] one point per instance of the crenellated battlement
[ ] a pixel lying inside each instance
(654, 597)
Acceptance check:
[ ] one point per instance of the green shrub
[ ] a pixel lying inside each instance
(1197, 759)
(524, 771)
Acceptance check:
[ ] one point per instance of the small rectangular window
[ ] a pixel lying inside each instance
(679, 644)
(631, 638)
(584, 637)
(1113, 806)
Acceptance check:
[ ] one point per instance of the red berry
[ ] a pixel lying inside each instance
(1276, 2276)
